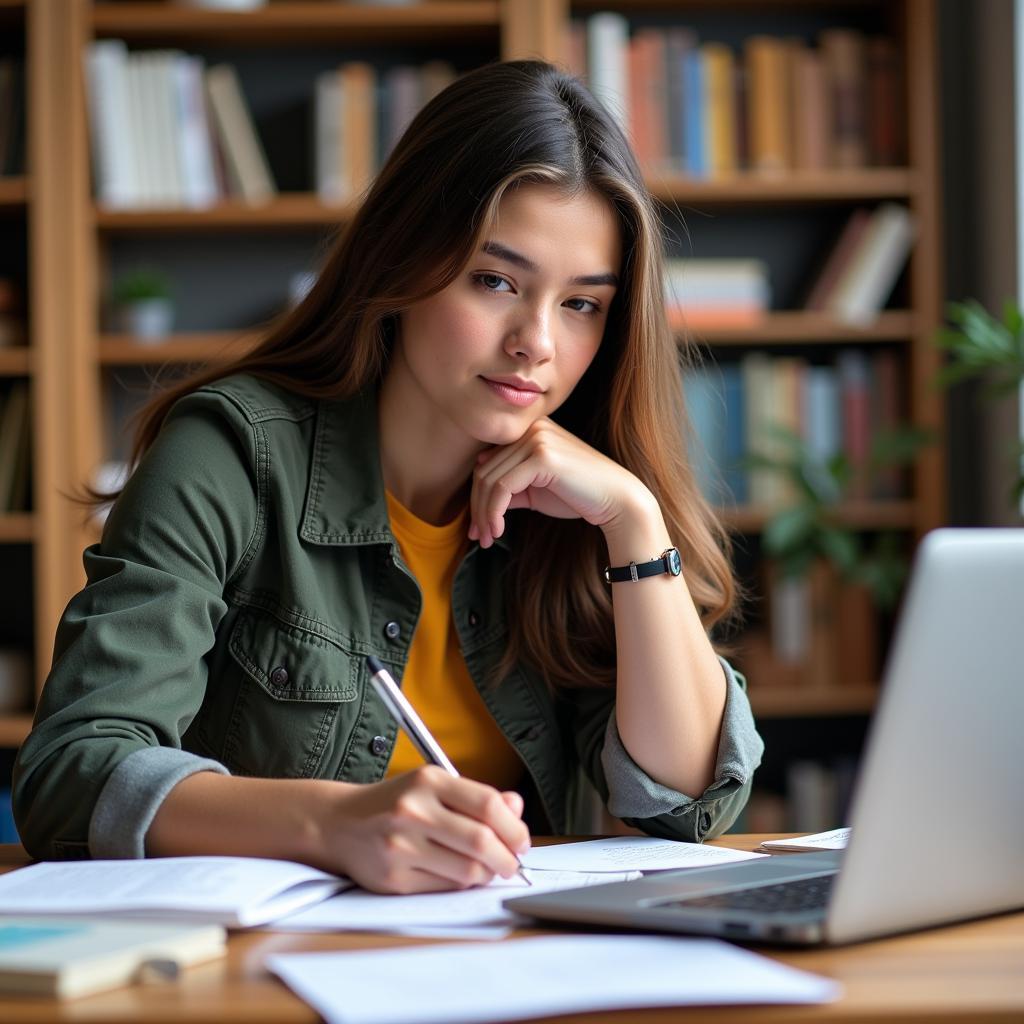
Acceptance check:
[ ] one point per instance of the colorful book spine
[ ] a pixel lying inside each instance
(843, 51)
(768, 109)
(719, 73)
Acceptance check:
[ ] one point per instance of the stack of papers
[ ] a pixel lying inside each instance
(462, 983)
(435, 913)
(478, 913)
(235, 892)
(836, 839)
(631, 853)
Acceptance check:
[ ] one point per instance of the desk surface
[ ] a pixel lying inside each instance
(970, 973)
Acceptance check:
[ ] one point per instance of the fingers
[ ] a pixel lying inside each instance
(514, 802)
(499, 477)
(482, 823)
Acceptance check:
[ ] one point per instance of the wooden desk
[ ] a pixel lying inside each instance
(966, 974)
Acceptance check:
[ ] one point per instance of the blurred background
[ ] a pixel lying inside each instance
(839, 184)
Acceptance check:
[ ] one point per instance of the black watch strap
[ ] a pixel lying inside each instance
(668, 562)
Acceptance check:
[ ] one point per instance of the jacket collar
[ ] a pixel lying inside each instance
(345, 503)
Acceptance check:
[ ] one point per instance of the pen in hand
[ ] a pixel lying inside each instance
(405, 715)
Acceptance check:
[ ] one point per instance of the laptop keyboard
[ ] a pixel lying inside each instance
(783, 898)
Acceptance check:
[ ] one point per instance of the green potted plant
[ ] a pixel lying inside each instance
(142, 303)
(979, 345)
(807, 528)
(840, 577)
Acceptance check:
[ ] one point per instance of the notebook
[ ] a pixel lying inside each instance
(69, 957)
(235, 892)
(936, 830)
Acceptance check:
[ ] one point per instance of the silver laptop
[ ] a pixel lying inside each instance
(938, 810)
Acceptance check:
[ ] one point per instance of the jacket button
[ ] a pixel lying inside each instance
(379, 745)
(279, 677)
(474, 619)
(392, 630)
(705, 823)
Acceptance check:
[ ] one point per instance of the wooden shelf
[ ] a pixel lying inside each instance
(867, 184)
(287, 210)
(15, 361)
(679, 7)
(803, 702)
(199, 347)
(304, 209)
(17, 528)
(13, 730)
(796, 327)
(308, 23)
(13, 193)
(862, 515)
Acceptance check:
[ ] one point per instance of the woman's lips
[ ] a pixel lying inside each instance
(511, 394)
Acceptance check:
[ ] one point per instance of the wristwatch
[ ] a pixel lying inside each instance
(668, 562)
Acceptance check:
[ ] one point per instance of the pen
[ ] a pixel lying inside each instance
(405, 715)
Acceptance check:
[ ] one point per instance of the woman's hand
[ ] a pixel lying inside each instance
(424, 831)
(555, 473)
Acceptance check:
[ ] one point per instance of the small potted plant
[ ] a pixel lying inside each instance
(142, 303)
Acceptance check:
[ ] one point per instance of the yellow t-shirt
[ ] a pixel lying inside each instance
(436, 679)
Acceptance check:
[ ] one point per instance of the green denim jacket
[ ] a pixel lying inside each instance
(243, 576)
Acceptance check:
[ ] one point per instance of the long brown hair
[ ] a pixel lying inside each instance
(418, 225)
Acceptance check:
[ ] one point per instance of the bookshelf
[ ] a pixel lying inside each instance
(20, 534)
(75, 243)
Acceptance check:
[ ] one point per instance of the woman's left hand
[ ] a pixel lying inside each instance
(552, 472)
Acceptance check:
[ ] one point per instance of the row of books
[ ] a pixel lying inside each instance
(699, 108)
(12, 116)
(862, 268)
(853, 285)
(167, 131)
(15, 448)
(359, 115)
(835, 408)
(816, 798)
(709, 293)
(8, 830)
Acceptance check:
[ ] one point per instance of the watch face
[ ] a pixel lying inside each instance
(675, 563)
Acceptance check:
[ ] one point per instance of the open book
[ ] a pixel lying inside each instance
(236, 892)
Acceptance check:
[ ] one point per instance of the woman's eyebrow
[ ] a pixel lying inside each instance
(503, 252)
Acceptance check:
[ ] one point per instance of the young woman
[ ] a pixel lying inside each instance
(433, 459)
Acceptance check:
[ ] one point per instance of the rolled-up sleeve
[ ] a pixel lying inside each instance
(633, 796)
(129, 671)
(643, 803)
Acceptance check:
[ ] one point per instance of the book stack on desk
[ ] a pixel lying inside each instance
(68, 929)
(70, 957)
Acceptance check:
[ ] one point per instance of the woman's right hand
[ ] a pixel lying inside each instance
(422, 831)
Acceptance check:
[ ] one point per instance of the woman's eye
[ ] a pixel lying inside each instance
(578, 306)
(492, 282)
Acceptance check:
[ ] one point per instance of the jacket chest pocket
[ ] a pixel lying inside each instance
(295, 701)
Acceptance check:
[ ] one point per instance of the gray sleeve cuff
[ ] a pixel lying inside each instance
(133, 794)
(632, 793)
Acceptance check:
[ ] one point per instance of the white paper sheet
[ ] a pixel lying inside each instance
(836, 839)
(630, 853)
(461, 983)
(359, 910)
(231, 891)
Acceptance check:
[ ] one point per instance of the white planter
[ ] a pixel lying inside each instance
(148, 319)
